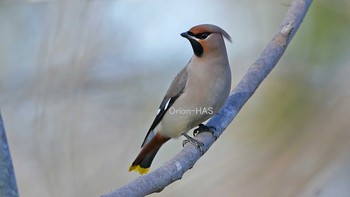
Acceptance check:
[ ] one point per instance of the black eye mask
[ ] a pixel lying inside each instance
(200, 36)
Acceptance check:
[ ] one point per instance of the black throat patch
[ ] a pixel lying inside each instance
(197, 47)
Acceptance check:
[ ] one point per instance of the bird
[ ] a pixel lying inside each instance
(197, 92)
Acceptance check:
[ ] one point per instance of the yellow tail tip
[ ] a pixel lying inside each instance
(138, 169)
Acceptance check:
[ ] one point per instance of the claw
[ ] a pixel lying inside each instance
(184, 143)
(193, 141)
(203, 128)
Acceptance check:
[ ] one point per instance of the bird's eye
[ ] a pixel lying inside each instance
(203, 35)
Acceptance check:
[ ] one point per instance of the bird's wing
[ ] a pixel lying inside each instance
(175, 90)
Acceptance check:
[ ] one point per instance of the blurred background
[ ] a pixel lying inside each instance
(81, 81)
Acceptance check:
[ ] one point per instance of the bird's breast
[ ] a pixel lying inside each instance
(206, 91)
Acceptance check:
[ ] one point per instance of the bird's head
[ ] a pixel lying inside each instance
(206, 38)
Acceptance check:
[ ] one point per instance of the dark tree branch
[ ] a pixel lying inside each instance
(174, 169)
(8, 186)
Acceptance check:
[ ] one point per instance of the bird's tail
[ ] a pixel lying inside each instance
(144, 159)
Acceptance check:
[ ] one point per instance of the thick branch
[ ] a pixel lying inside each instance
(174, 169)
(8, 186)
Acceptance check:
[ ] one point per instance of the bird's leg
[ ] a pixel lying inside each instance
(193, 141)
(203, 128)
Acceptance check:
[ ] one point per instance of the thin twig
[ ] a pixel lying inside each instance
(174, 169)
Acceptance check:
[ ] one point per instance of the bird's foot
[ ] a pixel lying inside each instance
(203, 128)
(193, 141)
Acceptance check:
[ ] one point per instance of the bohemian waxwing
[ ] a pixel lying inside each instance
(198, 91)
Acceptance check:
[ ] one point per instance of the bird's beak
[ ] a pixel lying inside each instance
(185, 35)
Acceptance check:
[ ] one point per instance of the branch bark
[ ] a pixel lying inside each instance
(174, 169)
(8, 186)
